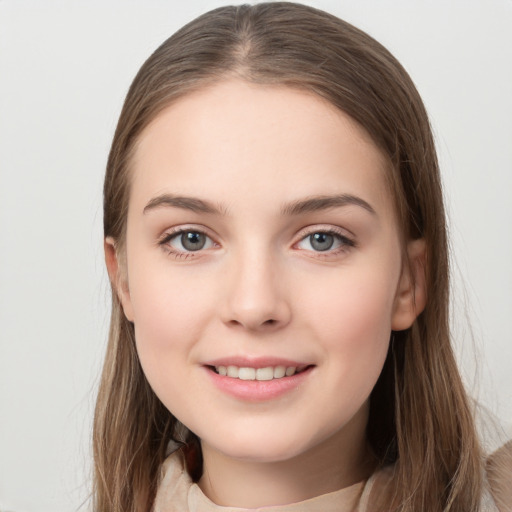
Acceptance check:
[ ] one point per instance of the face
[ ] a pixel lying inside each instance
(264, 270)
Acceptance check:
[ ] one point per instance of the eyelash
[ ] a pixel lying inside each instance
(345, 243)
(164, 242)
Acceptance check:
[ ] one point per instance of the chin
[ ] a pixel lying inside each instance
(266, 449)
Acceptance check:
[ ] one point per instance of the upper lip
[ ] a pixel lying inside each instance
(256, 362)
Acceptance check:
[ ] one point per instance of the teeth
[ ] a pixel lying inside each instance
(233, 372)
(279, 371)
(290, 371)
(264, 373)
(246, 373)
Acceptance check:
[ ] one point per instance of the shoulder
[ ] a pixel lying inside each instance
(173, 486)
(499, 476)
(496, 441)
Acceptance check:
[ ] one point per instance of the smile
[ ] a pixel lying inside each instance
(258, 379)
(248, 373)
(266, 382)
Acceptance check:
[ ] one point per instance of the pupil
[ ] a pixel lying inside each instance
(193, 241)
(321, 241)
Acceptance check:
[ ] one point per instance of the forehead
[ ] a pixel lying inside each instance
(270, 142)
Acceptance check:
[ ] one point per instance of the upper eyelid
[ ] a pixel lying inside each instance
(325, 228)
(176, 230)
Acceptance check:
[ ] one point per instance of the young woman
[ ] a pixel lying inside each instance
(275, 238)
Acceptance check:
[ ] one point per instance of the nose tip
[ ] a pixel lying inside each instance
(257, 320)
(257, 299)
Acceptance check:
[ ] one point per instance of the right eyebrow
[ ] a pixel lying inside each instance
(186, 203)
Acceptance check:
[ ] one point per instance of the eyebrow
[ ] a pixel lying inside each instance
(186, 203)
(310, 204)
(317, 203)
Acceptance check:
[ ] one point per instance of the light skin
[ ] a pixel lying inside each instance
(295, 253)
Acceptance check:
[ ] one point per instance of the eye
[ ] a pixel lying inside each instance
(185, 241)
(323, 241)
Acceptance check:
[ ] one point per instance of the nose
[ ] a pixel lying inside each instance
(255, 295)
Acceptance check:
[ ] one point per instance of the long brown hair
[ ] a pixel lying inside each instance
(420, 419)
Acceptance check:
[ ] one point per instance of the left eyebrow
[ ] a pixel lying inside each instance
(317, 203)
(186, 203)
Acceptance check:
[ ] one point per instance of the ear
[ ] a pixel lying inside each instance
(117, 274)
(411, 295)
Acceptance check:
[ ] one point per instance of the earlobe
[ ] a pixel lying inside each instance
(117, 276)
(411, 295)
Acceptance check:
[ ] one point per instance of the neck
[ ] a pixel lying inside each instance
(334, 464)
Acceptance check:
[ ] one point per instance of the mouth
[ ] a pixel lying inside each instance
(267, 373)
(258, 380)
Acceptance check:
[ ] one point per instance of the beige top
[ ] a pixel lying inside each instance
(177, 492)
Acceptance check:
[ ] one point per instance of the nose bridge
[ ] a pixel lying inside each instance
(256, 298)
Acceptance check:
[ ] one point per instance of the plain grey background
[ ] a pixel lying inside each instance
(65, 67)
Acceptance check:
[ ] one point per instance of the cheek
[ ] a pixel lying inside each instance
(169, 317)
(353, 321)
(354, 305)
(170, 312)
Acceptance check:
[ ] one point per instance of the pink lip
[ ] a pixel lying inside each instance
(257, 390)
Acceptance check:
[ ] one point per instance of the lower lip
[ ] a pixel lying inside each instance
(258, 390)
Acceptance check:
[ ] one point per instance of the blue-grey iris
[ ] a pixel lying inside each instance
(321, 241)
(193, 241)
